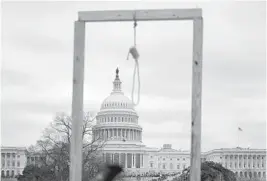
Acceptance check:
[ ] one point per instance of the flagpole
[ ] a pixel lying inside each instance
(238, 137)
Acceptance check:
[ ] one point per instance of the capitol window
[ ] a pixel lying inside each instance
(178, 166)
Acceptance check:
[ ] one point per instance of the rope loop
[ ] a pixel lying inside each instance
(133, 51)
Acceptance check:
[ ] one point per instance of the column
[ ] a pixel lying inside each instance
(141, 160)
(261, 161)
(248, 161)
(141, 164)
(116, 131)
(238, 161)
(126, 160)
(133, 160)
(106, 133)
(251, 161)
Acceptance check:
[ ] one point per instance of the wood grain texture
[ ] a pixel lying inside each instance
(140, 15)
(196, 100)
(77, 102)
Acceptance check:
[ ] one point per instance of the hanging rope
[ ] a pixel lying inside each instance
(133, 51)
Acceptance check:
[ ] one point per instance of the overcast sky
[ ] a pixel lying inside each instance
(37, 70)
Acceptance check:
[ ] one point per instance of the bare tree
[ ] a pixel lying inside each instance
(54, 146)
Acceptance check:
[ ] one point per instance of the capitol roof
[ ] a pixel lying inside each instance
(117, 99)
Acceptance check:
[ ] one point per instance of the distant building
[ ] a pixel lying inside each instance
(34, 159)
(13, 161)
(244, 162)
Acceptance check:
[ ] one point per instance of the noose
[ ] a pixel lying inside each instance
(133, 51)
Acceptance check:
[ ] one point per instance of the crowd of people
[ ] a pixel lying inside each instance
(152, 176)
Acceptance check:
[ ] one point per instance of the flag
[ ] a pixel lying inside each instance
(239, 129)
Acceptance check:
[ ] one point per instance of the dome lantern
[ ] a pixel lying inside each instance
(117, 82)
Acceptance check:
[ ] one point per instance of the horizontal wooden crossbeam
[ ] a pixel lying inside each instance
(140, 15)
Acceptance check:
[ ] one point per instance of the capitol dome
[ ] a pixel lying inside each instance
(117, 119)
(117, 99)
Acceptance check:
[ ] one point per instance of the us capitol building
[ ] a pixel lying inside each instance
(117, 125)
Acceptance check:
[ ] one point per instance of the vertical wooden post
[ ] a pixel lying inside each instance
(195, 171)
(77, 103)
